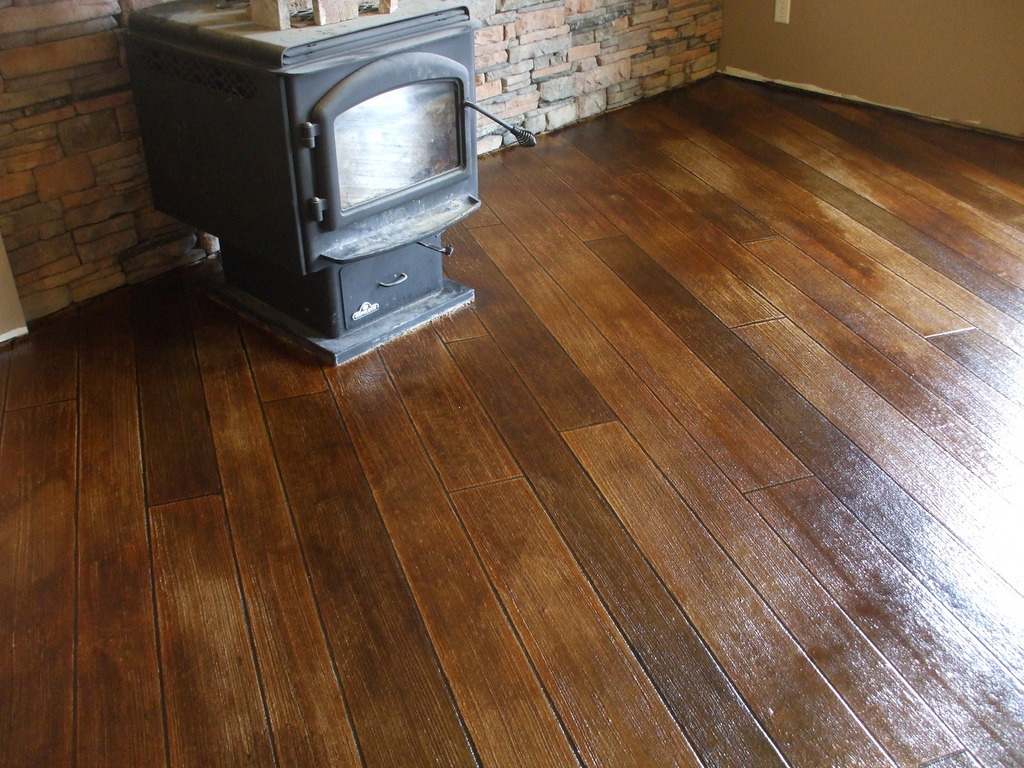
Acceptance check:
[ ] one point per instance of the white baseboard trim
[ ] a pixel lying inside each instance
(745, 75)
(13, 334)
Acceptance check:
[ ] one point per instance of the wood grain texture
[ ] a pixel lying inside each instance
(816, 214)
(816, 729)
(702, 699)
(945, 260)
(862, 676)
(973, 512)
(723, 177)
(709, 339)
(37, 584)
(401, 707)
(119, 710)
(565, 394)
(460, 325)
(720, 291)
(747, 452)
(588, 670)
(572, 209)
(972, 234)
(608, 143)
(178, 452)
(280, 369)
(44, 363)
(204, 643)
(966, 394)
(987, 359)
(482, 217)
(903, 151)
(980, 599)
(454, 428)
(5, 369)
(966, 685)
(989, 160)
(501, 701)
(307, 713)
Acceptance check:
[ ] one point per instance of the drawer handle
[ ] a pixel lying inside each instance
(397, 281)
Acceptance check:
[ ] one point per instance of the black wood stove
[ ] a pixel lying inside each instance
(328, 160)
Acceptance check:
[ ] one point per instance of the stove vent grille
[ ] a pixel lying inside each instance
(212, 75)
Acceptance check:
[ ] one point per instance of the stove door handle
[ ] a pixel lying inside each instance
(397, 281)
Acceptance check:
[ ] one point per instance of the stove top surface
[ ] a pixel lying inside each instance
(225, 27)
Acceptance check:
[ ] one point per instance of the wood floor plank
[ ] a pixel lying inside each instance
(1007, 236)
(720, 291)
(401, 707)
(829, 141)
(747, 452)
(754, 548)
(965, 683)
(886, 123)
(44, 363)
(458, 436)
(119, 710)
(694, 687)
(307, 713)
(482, 217)
(1002, 233)
(1001, 294)
(37, 584)
(597, 140)
(459, 326)
(836, 231)
(806, 194)
(978, 596)
(674, 450)
(280, 368)
(905, 152)
(5, 369)
(681, 312)
(565, 394)
(987, 359)
(587, 667)
(816, 727)
(976, 515)
(500, 699)
(204, 644)
(585, 221)
(178, 452)
(960, 227)
(725, 178)
(993, 161)
(966, 394)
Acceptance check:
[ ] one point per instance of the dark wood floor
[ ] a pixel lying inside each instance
(725, 467)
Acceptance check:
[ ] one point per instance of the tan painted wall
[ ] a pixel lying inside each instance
(961, 60)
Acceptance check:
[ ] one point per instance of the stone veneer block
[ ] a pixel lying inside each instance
(388, 6)
(272, 14)
(72, 174)
(333, 11)
(86, 132)
(22, 18)
(62, 54)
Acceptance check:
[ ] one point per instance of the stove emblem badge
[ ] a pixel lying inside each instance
(366, 308)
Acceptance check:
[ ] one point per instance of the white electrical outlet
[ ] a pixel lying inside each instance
(782, 11)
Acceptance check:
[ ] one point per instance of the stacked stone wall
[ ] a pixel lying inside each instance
(76, 213)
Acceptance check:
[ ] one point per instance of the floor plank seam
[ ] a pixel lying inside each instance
(931, 336)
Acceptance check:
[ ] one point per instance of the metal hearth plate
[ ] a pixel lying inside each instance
(353, 343)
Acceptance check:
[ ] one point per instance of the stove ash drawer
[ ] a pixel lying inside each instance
(375, 286)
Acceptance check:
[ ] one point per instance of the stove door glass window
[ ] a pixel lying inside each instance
(396, 140)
